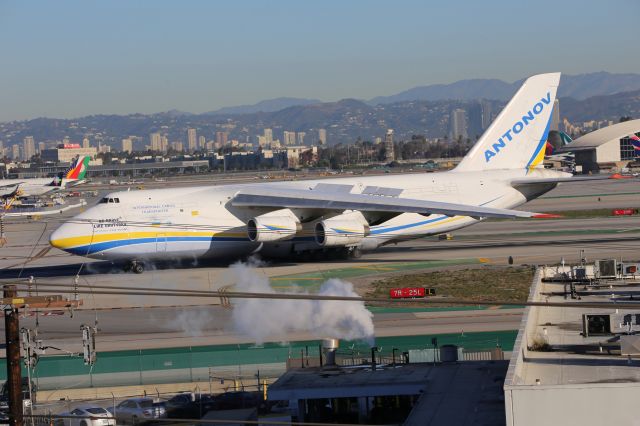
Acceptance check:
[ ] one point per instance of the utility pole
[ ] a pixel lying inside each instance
(14, 375)
(12, 303)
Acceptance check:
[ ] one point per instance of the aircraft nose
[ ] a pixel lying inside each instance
(63, 237)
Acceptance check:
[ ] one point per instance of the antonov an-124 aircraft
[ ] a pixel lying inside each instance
(340, 215)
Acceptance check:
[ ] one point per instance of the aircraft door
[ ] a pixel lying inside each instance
(161, 243)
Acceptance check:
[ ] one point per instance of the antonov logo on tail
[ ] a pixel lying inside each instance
(517, 128)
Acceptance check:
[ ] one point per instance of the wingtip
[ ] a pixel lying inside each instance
(619, 176)
(546, 216)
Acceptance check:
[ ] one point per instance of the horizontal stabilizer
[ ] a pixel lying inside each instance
(570, 179)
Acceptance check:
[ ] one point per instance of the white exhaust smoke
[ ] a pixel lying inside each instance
(261, 319)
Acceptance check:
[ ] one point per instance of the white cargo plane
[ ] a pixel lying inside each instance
(502, 170)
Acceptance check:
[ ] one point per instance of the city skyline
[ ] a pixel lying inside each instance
(74, 60)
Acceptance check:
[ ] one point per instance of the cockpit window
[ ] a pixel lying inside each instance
(103, 201)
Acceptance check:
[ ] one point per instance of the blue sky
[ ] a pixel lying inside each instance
(73, 58)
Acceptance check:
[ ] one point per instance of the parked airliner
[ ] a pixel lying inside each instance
(502, 171)
(10, 188)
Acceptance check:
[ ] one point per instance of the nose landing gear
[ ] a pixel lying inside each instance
(134, 266)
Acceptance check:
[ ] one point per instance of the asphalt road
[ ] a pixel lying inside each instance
(144, 328)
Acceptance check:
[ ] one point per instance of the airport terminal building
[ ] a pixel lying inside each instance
(606, 149)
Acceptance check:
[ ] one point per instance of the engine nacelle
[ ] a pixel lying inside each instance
(343, 230)
(266, 228)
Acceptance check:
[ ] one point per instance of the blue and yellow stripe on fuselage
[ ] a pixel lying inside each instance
(92, 244)
(100, 244)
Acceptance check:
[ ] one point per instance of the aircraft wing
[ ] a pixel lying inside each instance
(570, 179)
(9, 190)
(279, 198)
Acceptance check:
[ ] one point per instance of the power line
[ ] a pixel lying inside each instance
(141, 291)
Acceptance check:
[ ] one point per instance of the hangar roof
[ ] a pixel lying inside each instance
(602, 136)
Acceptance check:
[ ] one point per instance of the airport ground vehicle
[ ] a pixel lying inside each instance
(137, 411)
(98, 416)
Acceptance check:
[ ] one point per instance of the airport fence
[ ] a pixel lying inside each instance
(203, 363)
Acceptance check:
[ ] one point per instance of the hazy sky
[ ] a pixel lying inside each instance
(73, 58)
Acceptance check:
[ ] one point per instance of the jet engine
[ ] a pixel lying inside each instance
(343, 230)
(269, 227)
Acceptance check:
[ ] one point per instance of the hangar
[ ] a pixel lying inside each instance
(608, 148)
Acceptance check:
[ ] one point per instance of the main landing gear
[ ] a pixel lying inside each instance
(134, 266)
(354, 253)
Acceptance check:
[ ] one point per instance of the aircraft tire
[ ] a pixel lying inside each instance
(137, 267)
(355, 253)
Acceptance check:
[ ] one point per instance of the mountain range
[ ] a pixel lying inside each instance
(579, 87)
(269, 105)
(344, 120)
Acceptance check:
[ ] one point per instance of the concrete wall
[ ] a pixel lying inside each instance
(588, 404)
(580, 404)
(526, 333)
(608, 152)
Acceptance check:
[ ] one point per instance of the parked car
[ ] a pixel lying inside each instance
(88, 415)
(235, 400)
(4, 393)
(138, 411)
(189, 406)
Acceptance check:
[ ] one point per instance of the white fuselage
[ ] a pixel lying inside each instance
(26, 187)
(200, 222)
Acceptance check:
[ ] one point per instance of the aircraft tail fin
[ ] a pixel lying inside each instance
(635, 142)
(565, 138)
(517, 137)
(79, 169)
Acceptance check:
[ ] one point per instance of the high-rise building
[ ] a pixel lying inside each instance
(86, 143)
(202, 142)
(15, 152)
(192, 140)
(155, 142)
(268, 135)
(28, 148)
(322, 136)
(221, 138)
(555, 116)
(41, 146)
(389, 151)
(262, 141)
(487, 113)
(177, 146)
(164, 144)
(474, 120)
(127, 145)
(289, 138)
(458, 124)
(300, 138)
